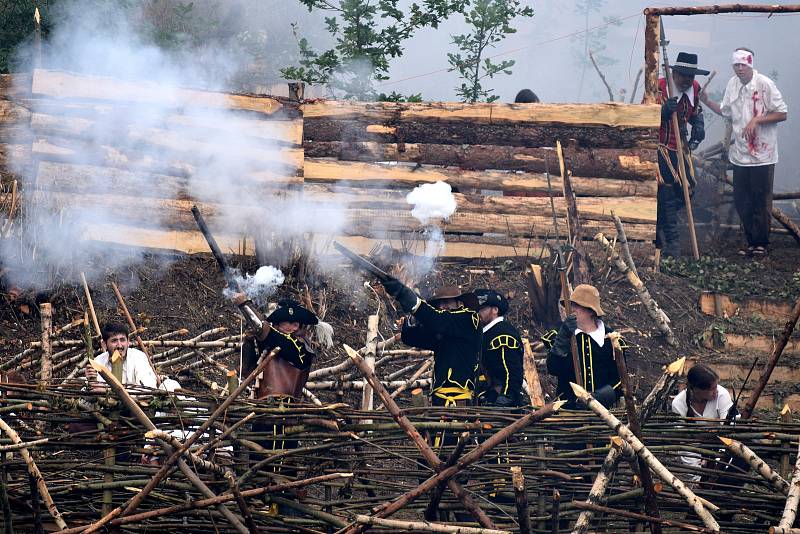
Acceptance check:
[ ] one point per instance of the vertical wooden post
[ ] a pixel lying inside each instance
(651, 32)
(786, 417)
(367, 400)
(555, 512)
(521, 498)
(37, 39)
(541, 503)
(532, 375)
(89, 302)
(46, 313)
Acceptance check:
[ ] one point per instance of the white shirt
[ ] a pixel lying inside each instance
(136, 369)
(599, 335)
(490, 325)
(740, 104)
(715, 409)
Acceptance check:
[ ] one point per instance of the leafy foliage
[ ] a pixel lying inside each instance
(490, 23)
(368, 34)
(719, 274)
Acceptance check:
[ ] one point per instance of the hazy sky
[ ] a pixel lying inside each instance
(548, 47)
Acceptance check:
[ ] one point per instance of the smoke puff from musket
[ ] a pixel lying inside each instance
(432, 201)
(259, 286)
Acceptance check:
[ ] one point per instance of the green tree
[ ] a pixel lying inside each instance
(490, 23)
(367, 35)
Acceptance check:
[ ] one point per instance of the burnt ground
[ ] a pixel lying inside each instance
(185, 293)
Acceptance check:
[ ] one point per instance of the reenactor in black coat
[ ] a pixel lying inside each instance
(448, 325)
(501, 357)
(595, 355)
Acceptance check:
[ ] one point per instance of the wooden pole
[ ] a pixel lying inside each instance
(532, 375)
(555, 512)
(367, 401)
(37, 39)
(89, 302)
(436, 494)
(723, 8)
(792, 500)
(565, 295)
(428, 455)
(521, 500)
(786, 417)
(135, 330)
(36, 475)
(420, 526)
(650, 499)
(640, 517)
(46, 313)
(756, 464)
(658, 468)
(652, 23)
(788, 328)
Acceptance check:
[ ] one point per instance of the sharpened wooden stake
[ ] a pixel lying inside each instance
(521, 500)
(658, 468)
(792, 499)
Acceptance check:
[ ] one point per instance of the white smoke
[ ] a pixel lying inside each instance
(259, 286)
(432, 201)
(124, 162)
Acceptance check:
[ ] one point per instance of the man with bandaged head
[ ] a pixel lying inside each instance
(755, 106)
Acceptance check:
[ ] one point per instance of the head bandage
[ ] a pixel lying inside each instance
(742, 57)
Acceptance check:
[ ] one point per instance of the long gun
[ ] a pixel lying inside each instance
(362, 264)
(679, 146)
(253, 319)
(734, 411)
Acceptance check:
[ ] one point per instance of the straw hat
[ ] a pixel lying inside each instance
(588, 297)
(453, 292)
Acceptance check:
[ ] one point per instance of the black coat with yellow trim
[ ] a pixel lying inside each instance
(501, 361)
(597, 365)
(293, 351)
(454, 336)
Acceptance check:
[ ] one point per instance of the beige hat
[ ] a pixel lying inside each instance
(588, 297)
(468, 299)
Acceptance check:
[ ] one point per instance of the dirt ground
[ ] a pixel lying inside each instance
(185, 292)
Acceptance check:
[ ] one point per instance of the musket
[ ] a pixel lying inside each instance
(734, 411)
(363, 264)
(679, 143)
(252, 317)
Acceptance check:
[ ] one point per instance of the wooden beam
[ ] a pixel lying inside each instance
(724, 8)
(651, 32)
(630, 163)
(64, 85)
(328, 170)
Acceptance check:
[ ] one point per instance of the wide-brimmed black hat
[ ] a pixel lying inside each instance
(453, 292)
(687, 64)
(291, 311)
(490, 297)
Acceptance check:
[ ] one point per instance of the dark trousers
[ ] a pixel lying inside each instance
(670, 201)
(752, 194)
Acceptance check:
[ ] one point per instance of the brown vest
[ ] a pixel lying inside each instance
(281, 378)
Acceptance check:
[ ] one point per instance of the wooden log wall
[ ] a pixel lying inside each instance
(365, 156)
(496, 156)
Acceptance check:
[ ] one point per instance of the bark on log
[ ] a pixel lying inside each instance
(625, 164)
(367, 400)
(641, 517)
(457, 133)
(521, 500)
(436, 495)
(792, 499)
(756, 464)
(651, 32)
(46, 313)
(642, 451)
(770, 365)
(532, 375)
(36, 475)
(723, 8)
(653, 309)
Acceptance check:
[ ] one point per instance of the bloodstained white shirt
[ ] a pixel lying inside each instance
(743, 102)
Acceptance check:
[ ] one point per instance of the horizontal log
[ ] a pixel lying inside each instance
(64, 85)
(383, 175)
(247, 188)
(192, 125)
(723, 8)
(176, 215)
(171, 149)
(464, 133)
(758, 343)
(607, 114)
(11, 113)
(712, 303)
(636, 164)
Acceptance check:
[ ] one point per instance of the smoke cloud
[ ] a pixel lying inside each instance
(259, 286)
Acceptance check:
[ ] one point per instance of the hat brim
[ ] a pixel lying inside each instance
(596, 309)
(468, 299)
(690, 71)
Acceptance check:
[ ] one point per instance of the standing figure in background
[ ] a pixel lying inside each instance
(595, 353)
(501, 358)
(755, 107)
(686, 103)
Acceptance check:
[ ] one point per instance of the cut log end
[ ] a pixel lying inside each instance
(677, 367)
(558, 404)
(786, 409)
(579, 391)
(351, 353)
(727, 441)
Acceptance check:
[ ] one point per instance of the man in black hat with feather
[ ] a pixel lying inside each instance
(686, 103)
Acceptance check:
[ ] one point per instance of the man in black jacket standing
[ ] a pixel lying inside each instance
(501, 358)
(448, 325)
